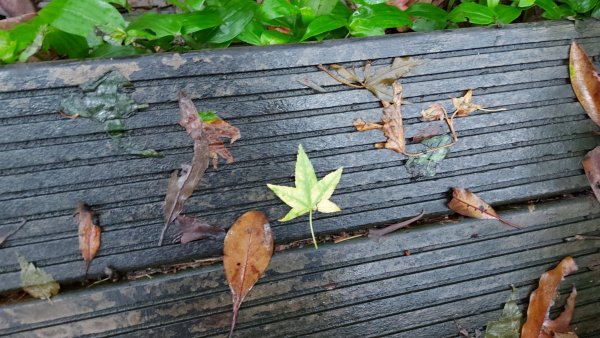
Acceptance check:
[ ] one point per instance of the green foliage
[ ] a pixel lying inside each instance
(509, 323)
(309, 194)
(96, 28)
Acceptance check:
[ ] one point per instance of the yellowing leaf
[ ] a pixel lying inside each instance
(585, 82)
(35, 281)
(509, 323)
(309, 194)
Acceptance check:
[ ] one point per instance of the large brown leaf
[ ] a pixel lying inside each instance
(561, 323)
(542, 298)
(585, 82)
(247, 251)
(467, 203)
(591, 165)
(89, 235)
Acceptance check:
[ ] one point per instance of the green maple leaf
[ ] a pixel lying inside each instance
(309, 194)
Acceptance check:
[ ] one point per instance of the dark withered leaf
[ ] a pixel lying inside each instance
(193, 229)
(427, 164)
(6, 235)
(509, 323)
(591, 166)
(35, 281)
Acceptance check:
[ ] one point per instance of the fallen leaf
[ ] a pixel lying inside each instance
(464, 106)
(247, 251)
(509, 323)
(107, 100)
(362, 125)
(12, 232)
(8, 23)
(426, 164)
(35, 281)
(393, 126)
(565, 335)
(468, 204)
(89, 235)
(193, 229)
(542, 298)
(561, 323)
(378, 83)
(585, 81)
(435, 112)
(309, 194)
(378, 233)
(591, 166)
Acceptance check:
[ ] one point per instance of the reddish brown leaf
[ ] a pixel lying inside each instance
(585, 82)
(89, 234)
(362, 125)
(591, 166)
(182, 184)
(378, 233)
(247, 251)
(542, 298)
(193, 229)
(468, 204)
(561, 323)
(4, 237)
(9, 23)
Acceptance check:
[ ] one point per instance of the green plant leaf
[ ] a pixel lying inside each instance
(425, 10)
(526, 3)
(35, 46)
(272, 37)
(506, 14)
(109, 51)
(581, 6)
(509, 323)
(153, 26)
(323, 24)
(7, 47)
(188, 5)
(596, 12)
(35, 281)
(427, 25)
(373, 19)
(475, 13)
(272, 9)
(492, 3)
(251, 33)
(81, 17)
(64, 43)
(320, 7)
(551, 9)
(309, 194)
(235, 15)
(427, 163)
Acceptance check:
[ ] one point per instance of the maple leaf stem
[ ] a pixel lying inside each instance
(312, 231)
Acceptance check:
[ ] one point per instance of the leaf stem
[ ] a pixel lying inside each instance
(312, 231)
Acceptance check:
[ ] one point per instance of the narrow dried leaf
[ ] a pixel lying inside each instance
(182, 186)
(247, 251)
(4, 237)
(591, 166)
(378, 233)
(561, 323)
(468, 204)
(509, 323)
(393, 126)
(89, 235)
(585, 82)
(542, 298)
(193, 229)
(35, 281)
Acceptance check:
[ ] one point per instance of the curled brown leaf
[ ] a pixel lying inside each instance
(542, 298)
(468, 204)
(378, 233)
(89, 234)
(247, 251)
(585, 82)
(193, 229)
(591, 166)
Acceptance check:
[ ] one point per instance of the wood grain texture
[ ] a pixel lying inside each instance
(48, 164)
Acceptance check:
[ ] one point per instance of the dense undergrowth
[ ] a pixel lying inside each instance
(97, 28)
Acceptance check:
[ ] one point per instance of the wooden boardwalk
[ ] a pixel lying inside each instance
(358, 288)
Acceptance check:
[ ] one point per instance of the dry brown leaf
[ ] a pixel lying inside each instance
(585, 82)
(182, 184)
(247, 251)
(193, 229)
(393, 126)
(468, 204)
(542, 298)
(362, 125)
(561, 323)
(378, 233)
(435, 112)
(591, 166)
(464, 106)
(12, 232)
(89, 234)
(9, 23)
(565, 335)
